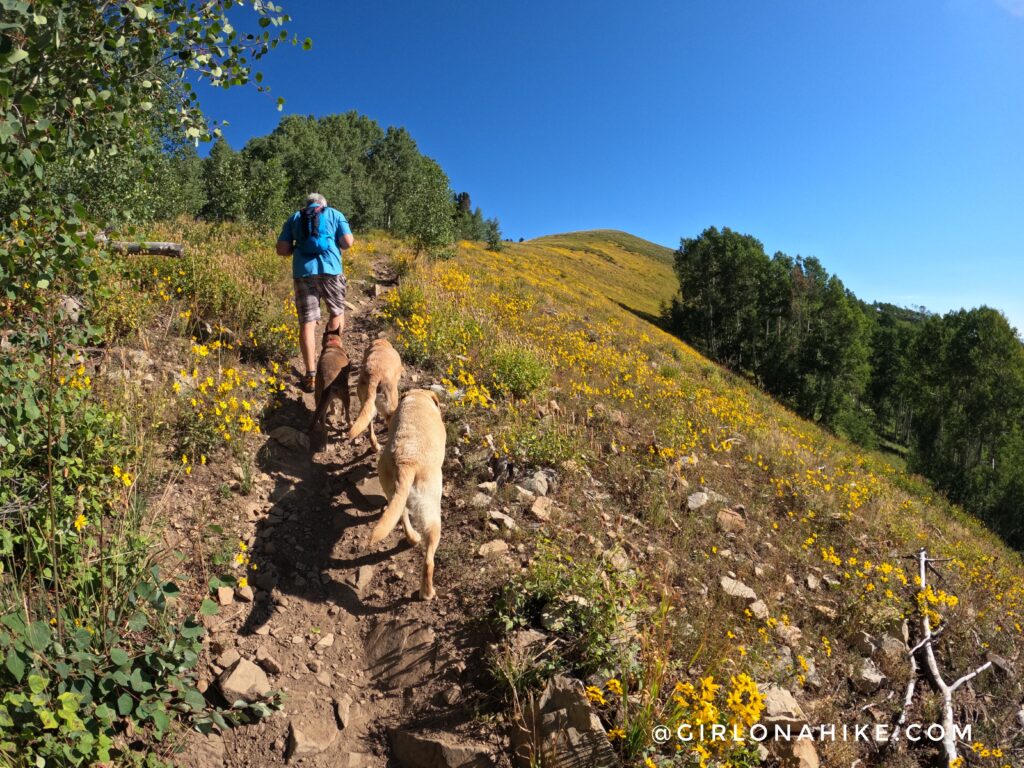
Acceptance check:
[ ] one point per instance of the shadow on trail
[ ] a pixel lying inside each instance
(316, 505)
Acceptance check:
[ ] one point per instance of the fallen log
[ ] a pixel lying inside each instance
(147, 248)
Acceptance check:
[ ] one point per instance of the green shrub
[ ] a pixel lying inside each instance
(517, 370)
(543, 444)
(581, 599)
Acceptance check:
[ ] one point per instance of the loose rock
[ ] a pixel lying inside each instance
(243, 681)
(291, 438)
(730, 521)
(737, 591)
(437, 750)
(570, 732)
(541, 508)
(494, 548)
(311, 736)
(266, 660)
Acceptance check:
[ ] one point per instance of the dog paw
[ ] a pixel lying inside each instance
(413, 537)
(425, 596)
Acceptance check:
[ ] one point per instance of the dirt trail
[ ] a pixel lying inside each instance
(336, 628)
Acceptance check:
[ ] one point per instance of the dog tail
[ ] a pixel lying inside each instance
(368, 411)
(393, 511)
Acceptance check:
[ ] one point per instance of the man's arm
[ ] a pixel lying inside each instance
(285, 239)
(345, 241)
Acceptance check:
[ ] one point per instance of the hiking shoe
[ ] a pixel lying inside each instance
(307, 383)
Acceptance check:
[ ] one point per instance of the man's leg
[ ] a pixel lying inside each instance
(307, 345)
(334, 289)
(307, 306)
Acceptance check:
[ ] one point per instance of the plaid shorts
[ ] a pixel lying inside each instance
(309, 291)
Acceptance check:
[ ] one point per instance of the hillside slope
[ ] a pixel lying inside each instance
(784, 553)
(624, 268)
(618, 512)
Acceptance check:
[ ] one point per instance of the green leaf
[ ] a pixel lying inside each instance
(38, 635)
(194, 699)
(105, 713)
(47, 718)
(307, 44)
(119, 656)
(161, 720)
(42, 284)
(15, 665)
(138, 622)
(18, 54)
(125, 702)
(208, 608)
(69, 701)
(37, 683)
(138, 684)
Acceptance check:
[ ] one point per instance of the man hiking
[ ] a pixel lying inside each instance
(315, 237)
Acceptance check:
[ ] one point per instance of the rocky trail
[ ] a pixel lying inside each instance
(369, 676)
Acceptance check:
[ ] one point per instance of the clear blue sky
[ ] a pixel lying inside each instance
(884, 137)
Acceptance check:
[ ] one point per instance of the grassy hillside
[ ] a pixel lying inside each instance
(621, 267)
(668, 477)
(545, 362)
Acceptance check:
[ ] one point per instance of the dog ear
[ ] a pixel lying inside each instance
(437, 400)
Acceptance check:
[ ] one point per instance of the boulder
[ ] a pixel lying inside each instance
(225, 595)
(564, 728)
(325, 642)
(812, 581)
(437, 750)
(243, 681)
(481, 500)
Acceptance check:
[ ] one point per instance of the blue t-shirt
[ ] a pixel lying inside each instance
(321, 255)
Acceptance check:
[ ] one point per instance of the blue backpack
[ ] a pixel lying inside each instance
(309, 240)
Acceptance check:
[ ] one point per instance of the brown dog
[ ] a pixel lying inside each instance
(332, 374)
(410, 474)
(382, 368)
